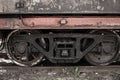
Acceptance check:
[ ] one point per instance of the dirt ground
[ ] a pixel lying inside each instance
(63, 74)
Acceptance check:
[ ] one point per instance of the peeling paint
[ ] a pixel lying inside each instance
(8, 6)
(60, 6)
(114, 1)
(72, 6)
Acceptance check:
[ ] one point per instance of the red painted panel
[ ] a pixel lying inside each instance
(2, 23)
(72, 22)
(85, 22)
(10, 23)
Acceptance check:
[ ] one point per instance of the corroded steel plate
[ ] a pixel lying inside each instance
(8, 6)
(60, 6)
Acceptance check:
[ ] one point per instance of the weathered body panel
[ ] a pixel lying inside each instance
(60, 6)
(8, 6)
(72, 22)
(69, 22)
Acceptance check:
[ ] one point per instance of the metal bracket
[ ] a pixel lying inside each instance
(20, 5)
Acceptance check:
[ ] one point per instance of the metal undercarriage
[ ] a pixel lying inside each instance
(61, 39)
(28, 47)
(62, 31)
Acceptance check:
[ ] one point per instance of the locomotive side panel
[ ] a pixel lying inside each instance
(71, 6)
(85, 22)
(68, 22)
(59, 6)
(8, 6)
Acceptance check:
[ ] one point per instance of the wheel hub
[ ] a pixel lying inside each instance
(21, 51)
(21, 47)
(106, 51)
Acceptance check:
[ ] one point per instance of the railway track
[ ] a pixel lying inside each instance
(10, 67)
(65, 72)
(6, 65)
(60, 69)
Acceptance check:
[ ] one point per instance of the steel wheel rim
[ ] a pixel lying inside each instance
(21, 63)
(95, 60)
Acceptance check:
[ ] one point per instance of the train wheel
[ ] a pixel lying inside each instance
(20, 51)
(105, 52)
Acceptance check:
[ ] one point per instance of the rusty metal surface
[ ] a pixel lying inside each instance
(59, 6)
(10, 23)
(8, 6)
(72, 22)
(68, 22)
